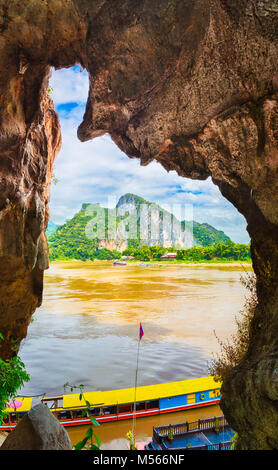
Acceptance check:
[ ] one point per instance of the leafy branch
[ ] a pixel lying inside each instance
(12, 377)
(233, 349)
(91, 440)
(130, 438)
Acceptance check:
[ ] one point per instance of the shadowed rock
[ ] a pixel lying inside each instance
(38, 430)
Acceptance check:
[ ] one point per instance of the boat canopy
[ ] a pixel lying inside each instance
(19, 404)
(144, 393)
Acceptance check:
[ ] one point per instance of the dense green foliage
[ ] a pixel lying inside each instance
(225, 251)
(12, 377)
(205, 234)
(222, 251)
(71, 242)
(145, 253)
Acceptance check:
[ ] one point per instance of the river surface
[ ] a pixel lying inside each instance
(86, 331)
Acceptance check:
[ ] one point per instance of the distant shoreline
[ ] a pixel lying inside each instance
(216, 263)
(192, 263)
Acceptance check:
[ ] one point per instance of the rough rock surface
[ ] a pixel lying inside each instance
(38, 430)
(193, 85)
(3, 436)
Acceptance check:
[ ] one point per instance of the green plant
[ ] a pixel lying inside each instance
(130, 438)
(12, 377)
(216, 425)
(54, 179)
(233, 350)
(171, 433)
(234, 441)
(91, 441)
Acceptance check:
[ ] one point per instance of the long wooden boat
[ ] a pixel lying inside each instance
(115, 405)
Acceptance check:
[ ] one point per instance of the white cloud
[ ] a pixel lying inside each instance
(69, 86)
(97, 171)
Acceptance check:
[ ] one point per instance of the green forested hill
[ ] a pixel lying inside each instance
(71, 242)
(74, 239)
(206, 235)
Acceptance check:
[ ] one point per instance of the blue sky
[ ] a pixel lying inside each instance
(97, 171)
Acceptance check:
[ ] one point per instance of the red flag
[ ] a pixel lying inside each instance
(141, 332)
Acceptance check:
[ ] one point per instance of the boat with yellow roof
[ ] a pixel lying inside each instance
(115, 405)
(16, 409)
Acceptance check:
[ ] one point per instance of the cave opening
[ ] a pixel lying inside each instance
(72, 336)
(81, 169)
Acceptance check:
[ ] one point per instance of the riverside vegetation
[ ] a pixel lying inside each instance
(234, 348)
(85, 251)
(12, 377)
(221, 252)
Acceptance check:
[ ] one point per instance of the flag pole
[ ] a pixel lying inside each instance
(135, 387)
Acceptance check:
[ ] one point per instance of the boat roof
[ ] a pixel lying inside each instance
(144, 393)
(19, 404)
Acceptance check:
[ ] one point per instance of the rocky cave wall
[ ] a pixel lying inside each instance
(193, 85)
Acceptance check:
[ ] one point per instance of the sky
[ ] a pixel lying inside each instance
(98, 171)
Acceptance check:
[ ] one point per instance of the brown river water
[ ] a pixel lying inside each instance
(86, 331)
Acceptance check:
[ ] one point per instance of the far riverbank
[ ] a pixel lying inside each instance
(191, 263)
(165, 263)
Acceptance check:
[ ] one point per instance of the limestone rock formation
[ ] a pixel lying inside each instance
(153, 224)
(193, 85)
(38, 430)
